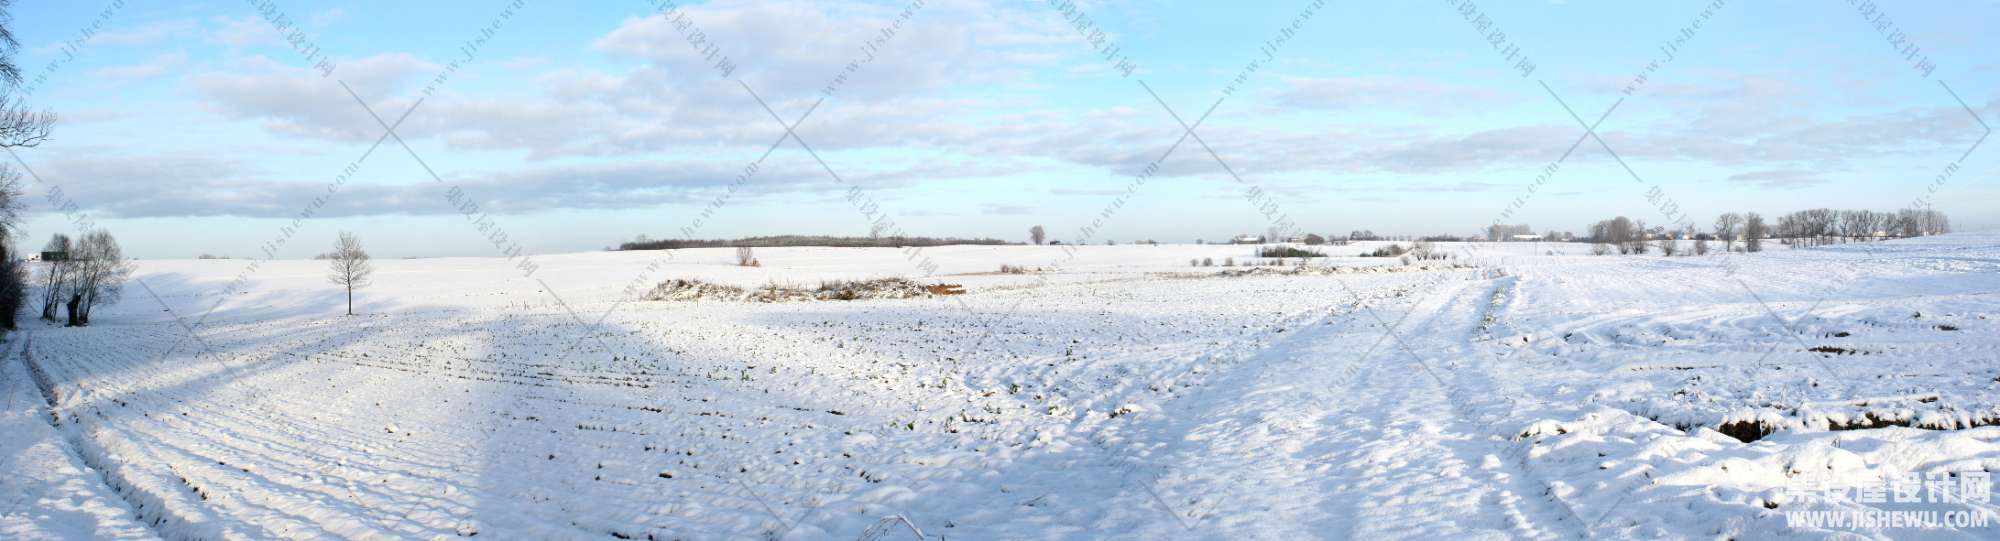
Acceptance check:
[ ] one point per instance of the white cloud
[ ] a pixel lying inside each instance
(327, 17)
(202, 186)
(298, 101)
(791, 48)
(1384, 92)
(1780, 178)
(788, 50)
(143, 34)
(243, 31)
(157, 66)
(926, 92)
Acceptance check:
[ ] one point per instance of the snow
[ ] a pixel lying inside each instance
(1522, 390)
(46, 492)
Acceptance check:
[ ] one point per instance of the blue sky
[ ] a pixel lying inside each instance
(193, 127)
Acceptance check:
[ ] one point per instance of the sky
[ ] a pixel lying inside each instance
(190, 128)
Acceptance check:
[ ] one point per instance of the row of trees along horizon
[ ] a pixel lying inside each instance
(1811, 227)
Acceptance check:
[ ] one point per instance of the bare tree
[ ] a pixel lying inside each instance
(13, 276)
(1822, 222)
(1885, 223)
(1812, 227)
(1726, 227)
(1497, 232)
(747, 257)
(56, 274)
(1754, 231)
(19, 126)
(13, 286)
(98, 272)
(350, 267)
(1037, 235)
(1935, 223)
(1857, 224)
(11, 203)
(1908, 224)
(1620, 232)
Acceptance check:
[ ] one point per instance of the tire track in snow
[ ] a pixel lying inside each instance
(1262, 446)
(150, 509)
(1252, 462)
(1480, 398)
(7, 475)
(1432, 419)
(1193, 487)
(254, 440)
(1406, 462)
(1130, 448)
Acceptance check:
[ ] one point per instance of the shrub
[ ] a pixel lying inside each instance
(1013, 269)
(1425, 251)
(1393, 250)
(1207, 262)
(747, 257)
(1229, 262)
(829, 290)
(892, 241)
(1600, 249)
(1287, 251)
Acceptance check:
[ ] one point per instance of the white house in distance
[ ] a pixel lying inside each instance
(1527, 237)
(1247, 239)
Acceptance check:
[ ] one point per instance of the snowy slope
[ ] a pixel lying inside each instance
(46, 492)
(1527, 391)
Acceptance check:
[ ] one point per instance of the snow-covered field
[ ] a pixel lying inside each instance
(1530, 391)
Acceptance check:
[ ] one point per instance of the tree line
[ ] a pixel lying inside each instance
(1810, 227)
(643, 243)
(1814, 227)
